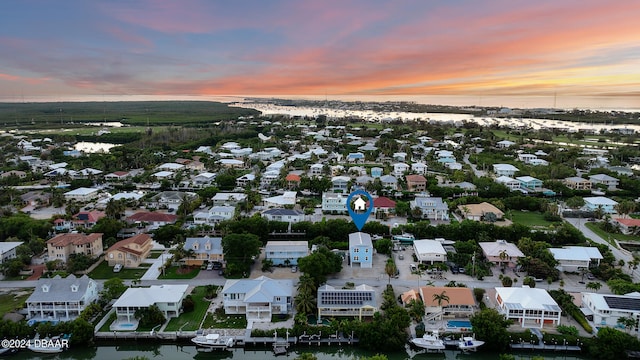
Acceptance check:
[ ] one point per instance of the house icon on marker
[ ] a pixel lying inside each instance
(359, 205)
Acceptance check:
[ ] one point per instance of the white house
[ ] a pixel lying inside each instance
(358, 302)
(419, 168)
(82, 194)
(286, 252)
(214, 215)
(431, 207)
(505, 170)
(501, 252)
(429, 251)
(527, 158)
(605, 179)
(504, 144)
(389, 182)
(340, 183)
(258, 298)
(168, 298)
(61, 299)
(8, 250)
(606, 309)
(334, 202)
(287, 198)
(528, 306)
(511, 183)
(360, 249)
(228, 199)
(576, 258)
(284, 215)
(600, 202)
(400, 168)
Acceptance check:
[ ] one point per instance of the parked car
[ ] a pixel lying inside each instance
(401, 257)
(117, 268)
(210, 266)
(294, 269)
(590, 276)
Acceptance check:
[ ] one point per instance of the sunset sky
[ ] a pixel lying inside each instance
(343, 47)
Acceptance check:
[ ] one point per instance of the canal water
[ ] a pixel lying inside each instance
(186, 351)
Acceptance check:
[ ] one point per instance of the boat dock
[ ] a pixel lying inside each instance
(544, 347)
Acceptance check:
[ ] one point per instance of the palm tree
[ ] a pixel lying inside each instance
(594, 285)
(503, 255)
(305, 302)
(390, 269)
(440, 298)
(306, 284)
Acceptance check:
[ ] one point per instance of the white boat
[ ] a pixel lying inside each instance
(214, 341)
(469, 343)
(430, 342)
(48, 345)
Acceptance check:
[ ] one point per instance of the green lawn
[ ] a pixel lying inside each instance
(529, 218)
(607, 236)
(193, 318)
(217, 321)
(14, 300)
(155, 254)
(174, 272)
(104, 271)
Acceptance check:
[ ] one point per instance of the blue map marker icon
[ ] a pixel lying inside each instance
(357, 207)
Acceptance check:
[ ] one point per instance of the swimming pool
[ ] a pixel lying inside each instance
(129, 325)
(459, 324)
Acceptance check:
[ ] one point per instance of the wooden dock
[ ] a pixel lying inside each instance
(545, 347)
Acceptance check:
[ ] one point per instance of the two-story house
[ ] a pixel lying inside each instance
(606, 309)
(214, 215)
(61, 246)
(529, 183)
(61, 299)
(429, 251)
(577, 183)
(431, 207)
(205, 249)
(594, 203)
(168, 298)
(286, 252)
(448, 301)
(334, 202)
(258, 298)
(416, 183)
(284, 215)
(501, 252)
(130, 252)
(609, 181)
(528, 306)
(360, 249)
(576, 258)
(505, 170)
(359, 302)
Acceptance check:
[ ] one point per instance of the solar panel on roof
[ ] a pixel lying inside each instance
(623, 303)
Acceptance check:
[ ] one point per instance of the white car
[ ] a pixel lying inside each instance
(117, 268)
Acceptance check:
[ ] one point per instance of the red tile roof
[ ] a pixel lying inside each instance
(415, 178)
(293, 177)
(64, 240)
(123, 245)
(628, 222)
(146, 216)
(383, 202)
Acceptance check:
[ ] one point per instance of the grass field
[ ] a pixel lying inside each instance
(194, 318)
(529, 218)
(607, 236)
(14, 300)
(174, 272)
(154, 254)
(214, 321)
(104, 271)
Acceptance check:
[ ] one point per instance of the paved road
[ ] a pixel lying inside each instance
(478, 173)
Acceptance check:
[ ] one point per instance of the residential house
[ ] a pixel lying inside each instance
(162, 175)
(334, 202)
(340, 184)
(168, 298)
(288, 198)
(61, 246)
(286, 252)
(360, 250)
(609, 181)
(360, 302)
(453, 166)
(284, 215)
(389, 182)
(61, 299)
(577, 183)
(527, 158)
(195, 165)
(501, 252)
(269, 178)
(170, 199)
(82, 194)
(15, 173)
(504, 144)
(258, 298)
(231, 163)
(245, 180)
(8, 250)
(383, 204)
(431, 207)
(362, 181)
(528, 306)
(205, 249)
(170, 167)
(529, 183)
(228, 199)
(505, 170)
(400, 168)
(416, 183)
(151, 220)
(594, 203)
(204, 179)
(477, 212)
(538, 162)
(429, 251)
(83, 219)
(117, 176)
(376, 172)
(130, 252)
(214, 215)
(316, 170)
(355, 157)
(293, 181)
(419, 168)
(576, 258)
(606, 309)
(511, 183)
(448, 301)
(628, 226)
(445, 156)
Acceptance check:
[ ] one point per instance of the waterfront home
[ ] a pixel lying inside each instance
(284, 215)
(609, 181)
(431, 207)
(359, 302)
(448, 301)
(61, 246)
(286, 252)
(82, 194)
(528, 306)
(258, 298)
(594, 203)
(511, 183)
(576, 258)
(130, 252)
(205, 249)
(360, 250)
(505, 170)
(628, 226)
(577, 183)
(416, 183)
(168, 298)
(529, 183)
(501, 252)
(61, 299)
(429, 251)
(8, 250)
(334, 202)
(477, 212)
(606, 309)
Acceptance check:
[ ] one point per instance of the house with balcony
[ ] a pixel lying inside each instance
(527, 158)
(628, 226)
(61, 299)
(228, 198)
(283, 215)
(501, 253)
(376, 172)
(170, 199)
(383, 204)
(529, 183)
(416, 183)
(205, 249)
(244, 180)
(293, 181)
(316, 170)
(334, 202)
(130, 252)
(258, 298)
(8, 250)
(340, 184)
(609, 181)
(62, 245)
(529, 307)
(150, 219)
(606, 309)
(576, 258)
(359, 302)
(429, 251)
(204, 179)
(214, 215)
(511, 183)
(478, 212)
(594, 203)
(286, 253)
(400, 168)
(577, 183)
(505, 170)
(433, 208)
(460, 303)
(360, 250)
(419, 168)
(168, 298)
(445, 156)
(82, 194)
(389, 182)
